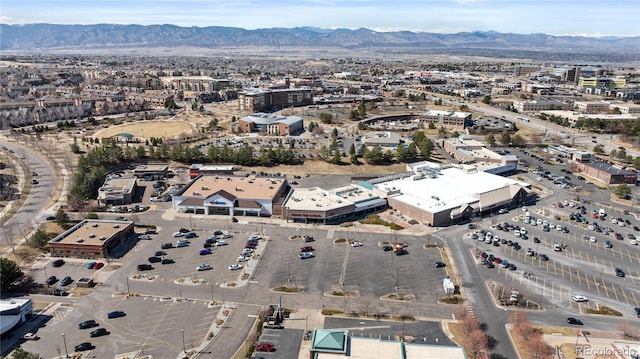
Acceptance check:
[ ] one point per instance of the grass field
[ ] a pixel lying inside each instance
(148, 129)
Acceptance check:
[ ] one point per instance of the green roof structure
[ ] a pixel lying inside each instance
(327, 340)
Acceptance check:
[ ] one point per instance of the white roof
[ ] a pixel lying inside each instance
(450, 187)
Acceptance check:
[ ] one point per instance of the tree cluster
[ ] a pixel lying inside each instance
(534, 345)
(475, 341)
(9, 272)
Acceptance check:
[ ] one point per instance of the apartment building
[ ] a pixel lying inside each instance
(255, 100)
(541, 105)
(591, 107)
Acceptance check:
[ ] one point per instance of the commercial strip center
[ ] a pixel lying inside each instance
(430, 193)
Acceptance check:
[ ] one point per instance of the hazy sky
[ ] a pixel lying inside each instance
(556, 17)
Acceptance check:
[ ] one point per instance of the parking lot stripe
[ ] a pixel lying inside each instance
(635, 300)
(624, 294)
(615, 292)
(587, 280)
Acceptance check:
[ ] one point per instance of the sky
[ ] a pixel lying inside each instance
(554, 17)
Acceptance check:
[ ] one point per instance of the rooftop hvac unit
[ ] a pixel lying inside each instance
(102, 238)
(92, 235)
(94, 225)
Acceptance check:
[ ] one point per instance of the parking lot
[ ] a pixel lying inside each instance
(368, 269)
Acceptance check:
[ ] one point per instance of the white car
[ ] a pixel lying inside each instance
(580, 298)
(202, 267)
(356, 244)
(306, 255)
(178, 234)
(247, 251)
(634, 242)
(592, 239)
(30, 336)
(523, 230)
(243, 259)
(221, 242)
(227, 235)
(255, 236)
(614, 221)
(236, 266)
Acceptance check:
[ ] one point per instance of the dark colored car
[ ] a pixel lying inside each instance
(308, 239)
(210, 240)
(51, 280)
(116, 314)
(204, 252)
(160, 253)
(143, 267)
(167, 261)
(191, 235)
(83, 346)
(637, 310)
(544, 257)
(512, 266)
(306, 249)
(490, 265)
(66, 281)
(150, 231)
(87, 324)
(166, 245)
(536, 240)
(572, 320)
(154, 259)
(440, 264)
(620, 273)
(184, 230)
(98, 265)
(387, 248)
(99, 332)
(59, 292)
(58, 263)
(207, 245)
(402, 252)
(51, 218)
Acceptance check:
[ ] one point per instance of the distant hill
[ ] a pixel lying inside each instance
(48, 37)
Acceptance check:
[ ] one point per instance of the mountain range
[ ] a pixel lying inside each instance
(52, 37)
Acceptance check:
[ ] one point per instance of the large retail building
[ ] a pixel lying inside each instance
(442, 194)
(232, 195)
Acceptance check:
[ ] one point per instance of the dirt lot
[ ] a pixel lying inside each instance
(321, 167)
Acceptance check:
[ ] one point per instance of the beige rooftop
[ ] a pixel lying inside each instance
(264, 188)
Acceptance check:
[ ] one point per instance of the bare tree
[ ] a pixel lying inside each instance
(468, 324)
(460, 312)
(628, 330)
(476, 343)
(366, 301)
(519, 316)
(537, 348)
(526, 330)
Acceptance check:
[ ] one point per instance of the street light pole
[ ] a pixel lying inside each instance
(128, 286)
(66, 353)
(184, 348)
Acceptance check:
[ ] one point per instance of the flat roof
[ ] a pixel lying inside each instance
(91, 231)
(354, 193)
(366, 348)
(263, 188)
(435, 113)
(432, 189)
(151, 168)
(118, 185)
(605, 167)
(315, 198)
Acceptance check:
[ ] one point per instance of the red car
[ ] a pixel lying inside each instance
(265, 347)
(306, 249)
(98, 265)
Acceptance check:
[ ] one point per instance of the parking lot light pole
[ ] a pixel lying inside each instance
(184, 347)
(64, 340)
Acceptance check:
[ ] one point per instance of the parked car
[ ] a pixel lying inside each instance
(167, 261)
(83, 346)
(51, 280)
(308, 239)
(116, 314)
(203, 267)
(221, 243)
(236, 266)
(66, 281)
(154, 259)
(620, 273)
(98, 265)
(30, 336)
(306, 255)
(166, 245)
(265, 347)
(204, 252)
(191, 235)
(144, 267)
(87, 324)
(99, 332)
(387, 248)
(402, 252)
(58, 263)
(90, 265)
(440, 264)
(580, 298)
(356, 244)
(178, 234)
(243, 258)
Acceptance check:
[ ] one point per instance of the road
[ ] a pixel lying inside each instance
(32, 211)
